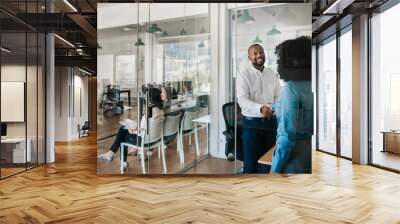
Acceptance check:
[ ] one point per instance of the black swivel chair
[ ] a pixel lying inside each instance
(232, 117)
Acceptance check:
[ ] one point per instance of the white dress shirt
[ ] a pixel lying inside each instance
(255, 89)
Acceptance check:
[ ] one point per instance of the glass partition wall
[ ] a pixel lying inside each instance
(22, 94)
(385, 89)
(267, 25)
(334, 94)
(162, 61)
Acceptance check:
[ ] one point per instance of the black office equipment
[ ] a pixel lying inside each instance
(232, 118)
(3, 129)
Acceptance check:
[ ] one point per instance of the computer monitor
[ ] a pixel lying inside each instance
(3, 129)
(187, 86)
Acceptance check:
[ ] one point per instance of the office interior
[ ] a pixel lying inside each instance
(194, 51)
(45, 87)
(57, 90)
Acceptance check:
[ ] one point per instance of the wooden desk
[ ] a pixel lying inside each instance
(13, 150)
(267, 157)
(391, 141)
(129, 95)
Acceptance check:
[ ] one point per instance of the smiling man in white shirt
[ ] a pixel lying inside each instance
(257, 88)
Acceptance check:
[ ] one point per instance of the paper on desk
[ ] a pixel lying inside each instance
(128, 123)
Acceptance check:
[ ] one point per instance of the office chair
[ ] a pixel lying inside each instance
(233, 118)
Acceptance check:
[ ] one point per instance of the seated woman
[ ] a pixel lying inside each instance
(295, 109)
(156, 97)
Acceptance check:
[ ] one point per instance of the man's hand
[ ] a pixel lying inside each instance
(266, 111)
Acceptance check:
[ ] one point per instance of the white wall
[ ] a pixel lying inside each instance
(68, 82)
(127, 13)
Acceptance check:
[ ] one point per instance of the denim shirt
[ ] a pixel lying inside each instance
(294, 112)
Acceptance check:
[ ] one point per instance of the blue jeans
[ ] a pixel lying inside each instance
(124, 136)
(259, 135)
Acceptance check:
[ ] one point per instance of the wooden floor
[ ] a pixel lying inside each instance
(69, 191)
(386, 159)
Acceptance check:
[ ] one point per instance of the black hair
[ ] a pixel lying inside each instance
(155, 97)
(294, 59)
(254, 45)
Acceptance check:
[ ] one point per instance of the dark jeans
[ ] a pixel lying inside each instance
(124, 136)
(259, 135)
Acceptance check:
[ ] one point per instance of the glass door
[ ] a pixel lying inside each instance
(327, 92)
(385, 89)
(346, 92)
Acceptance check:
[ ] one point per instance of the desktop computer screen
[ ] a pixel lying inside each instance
(3, 129)
(187, 86)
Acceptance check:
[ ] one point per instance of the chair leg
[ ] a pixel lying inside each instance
(190, 139)
(163, 158)
(142, 160)
(182, 150)
(121, 152)
(159, 151)
(196, 138)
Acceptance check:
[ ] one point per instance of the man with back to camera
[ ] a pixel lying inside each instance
(257, 89)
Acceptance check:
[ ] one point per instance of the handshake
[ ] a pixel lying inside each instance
(266, 111)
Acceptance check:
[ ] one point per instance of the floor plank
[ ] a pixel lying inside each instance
(69, 191)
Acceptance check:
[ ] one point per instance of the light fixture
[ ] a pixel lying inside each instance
(273, 31)
(164, 34)
(154, 29)
(201, 44)
(84, 71)
(183, 32)
(245, 18)
(64, 40)
(5, 50)
(70, 5)
(139, 42)
(127, 29)
(257, 40)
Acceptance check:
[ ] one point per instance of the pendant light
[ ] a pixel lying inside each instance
(257, 40)
(164, 33)
(154, 29)
(245, 18)
(183, 31)
(273, 30)
(201, 44)
(139, 42)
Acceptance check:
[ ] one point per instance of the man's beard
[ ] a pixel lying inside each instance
(259, 64)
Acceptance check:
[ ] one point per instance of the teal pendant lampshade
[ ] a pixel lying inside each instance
(257, 40)
(139, 42)
(164, 34)
(154, 29)
(245, 17)
(201, 44)
(183, 32)
(273, 31)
